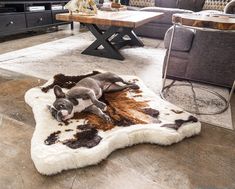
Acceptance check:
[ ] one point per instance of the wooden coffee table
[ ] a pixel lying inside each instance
(120, 24)
(207, 22)
(197, 21)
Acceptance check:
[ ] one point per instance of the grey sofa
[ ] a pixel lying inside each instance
(203, 56)
(158, 28)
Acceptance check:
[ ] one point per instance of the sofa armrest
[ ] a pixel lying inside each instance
(182, 40)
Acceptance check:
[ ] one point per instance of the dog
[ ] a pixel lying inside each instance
(85, 94)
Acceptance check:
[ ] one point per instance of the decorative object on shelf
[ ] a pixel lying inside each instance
(116, 5)
(106, 5)
(113, 6)
(83, 7)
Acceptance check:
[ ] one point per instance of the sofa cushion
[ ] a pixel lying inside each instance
(142, 3)
(215, 4)
(190, 4)
(230, 7)
(152, 30)
(166, 3)
(182, 40)
(168, 12)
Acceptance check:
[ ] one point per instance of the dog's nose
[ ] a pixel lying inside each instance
(64, 112)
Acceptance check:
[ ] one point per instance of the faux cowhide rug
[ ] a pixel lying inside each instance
(138, 116)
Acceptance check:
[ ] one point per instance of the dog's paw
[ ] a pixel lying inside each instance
(107, 118)
(102, 106)
(134, 86)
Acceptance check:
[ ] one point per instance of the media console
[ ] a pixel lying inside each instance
(18, 16)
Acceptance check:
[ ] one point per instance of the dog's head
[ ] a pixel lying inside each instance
(62, 109)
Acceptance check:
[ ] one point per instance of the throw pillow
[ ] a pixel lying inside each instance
(142, 3)
(215, 4)
(230, 8)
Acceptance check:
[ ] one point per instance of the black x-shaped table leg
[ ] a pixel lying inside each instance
(111, 40)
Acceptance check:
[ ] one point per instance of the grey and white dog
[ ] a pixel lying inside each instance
(85, 94)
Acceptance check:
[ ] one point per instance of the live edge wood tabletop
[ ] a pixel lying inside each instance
(213, 21)
(130, 19)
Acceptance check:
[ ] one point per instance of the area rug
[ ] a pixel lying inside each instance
(138, 116)
(204, 101)
(64, 56)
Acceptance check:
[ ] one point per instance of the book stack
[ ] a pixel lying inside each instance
(35, 8)
(56, 7)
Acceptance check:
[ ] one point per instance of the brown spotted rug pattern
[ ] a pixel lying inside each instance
(138, 116)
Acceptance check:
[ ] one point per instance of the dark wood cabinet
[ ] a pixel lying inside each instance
(16, 17)
(35, 19)
(12, 22)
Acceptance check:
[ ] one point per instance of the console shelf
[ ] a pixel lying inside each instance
(16, 16)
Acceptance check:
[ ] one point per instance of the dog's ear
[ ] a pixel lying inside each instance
(74, 101)
(52, 110)
(58, 92)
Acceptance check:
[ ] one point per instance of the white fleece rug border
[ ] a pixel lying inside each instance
(52, 159)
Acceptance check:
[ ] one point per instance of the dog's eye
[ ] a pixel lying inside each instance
(61, 106)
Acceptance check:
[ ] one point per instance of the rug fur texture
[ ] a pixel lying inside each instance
(138, 116)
